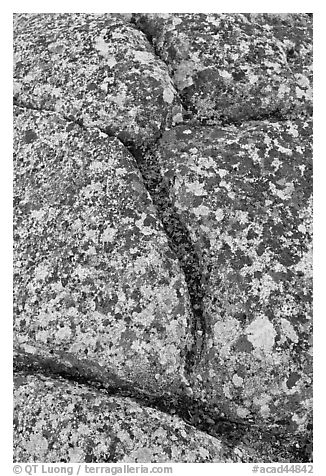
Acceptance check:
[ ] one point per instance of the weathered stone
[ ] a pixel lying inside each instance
(244, 193)
(178, 280)
(56, 420)
(94, 275)
(97, 69)
(235, 67)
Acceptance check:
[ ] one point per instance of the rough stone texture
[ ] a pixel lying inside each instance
(94, 276)
(76, 424)
(96, 69)
(235, 67)
(244, 193)
(163, 237)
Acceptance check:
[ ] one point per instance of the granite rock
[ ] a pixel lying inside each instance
(94, 275)
(244, 194)
(162, 237)
(96, 69)
(56, 420)
(236, 67)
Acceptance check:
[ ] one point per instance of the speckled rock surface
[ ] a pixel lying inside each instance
(78, 424)
(162, 237)
(244, 193)
(94, 275)
(97, 69)
(235, 67)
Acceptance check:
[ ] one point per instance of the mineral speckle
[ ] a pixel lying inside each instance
(240, 192)
(76, 424)
(94, 276)
(97, 69)
(162, 237)
(235, 67)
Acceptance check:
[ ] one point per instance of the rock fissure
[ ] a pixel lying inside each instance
(180, 242)
(193, 412)
(217, 80)
(186, 106)
(177, 328)
(176, 232)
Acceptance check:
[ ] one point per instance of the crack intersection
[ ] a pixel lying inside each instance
(197, 413)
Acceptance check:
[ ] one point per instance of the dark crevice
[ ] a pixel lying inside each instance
(33, 107)
(190, 410)
(274, 443)
(225, 121)
(187, 113)
(147, 34)
(177, 233)
(190, 113)
(179, 241)
(138, 152)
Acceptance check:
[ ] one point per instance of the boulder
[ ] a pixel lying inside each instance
(236, 67)
(162, 237)
(94, 276)
(96, 69)
(244, 194)
(56, 420)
